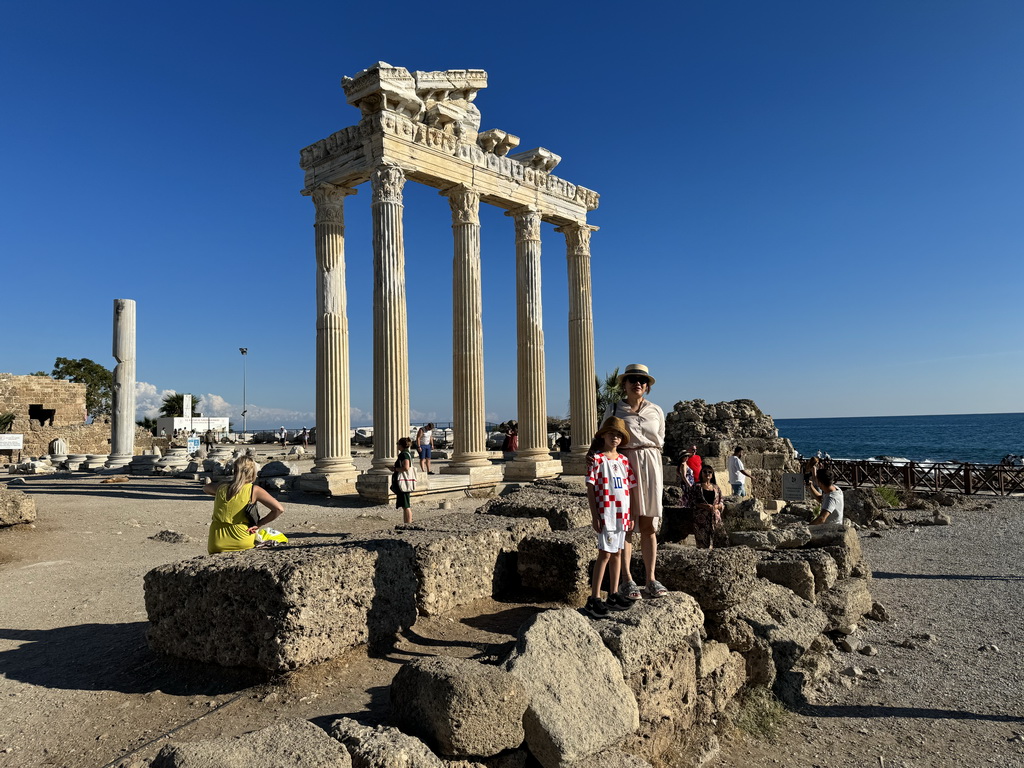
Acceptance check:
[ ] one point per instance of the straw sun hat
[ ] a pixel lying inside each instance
(617, 425)
(636, 369)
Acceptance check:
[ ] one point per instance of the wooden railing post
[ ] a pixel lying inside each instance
(967, 479)
(907, 470)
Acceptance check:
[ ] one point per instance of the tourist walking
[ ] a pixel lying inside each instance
(823, 487)
(609, 480)
(645, 424)
(284, 436)
(305, 437)
(231, 530)
(425, 446)
(403, 499)
(706, 502)
(208, 438)
(737, 471)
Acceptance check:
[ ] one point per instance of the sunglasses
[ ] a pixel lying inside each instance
(635, 379)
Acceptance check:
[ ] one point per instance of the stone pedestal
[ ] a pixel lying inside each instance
(487, 473)
(122, 422)
(532, 470)
(332, 484)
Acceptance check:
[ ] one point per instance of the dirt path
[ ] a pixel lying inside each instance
(79, 686)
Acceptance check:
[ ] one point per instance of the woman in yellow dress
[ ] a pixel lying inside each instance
(231, 530)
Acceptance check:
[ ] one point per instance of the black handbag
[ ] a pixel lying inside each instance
(251, 509)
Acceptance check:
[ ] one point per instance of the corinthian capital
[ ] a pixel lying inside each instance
(330, 203)
(387, 182)
(465, 203)
(527, 222)
(577, 238)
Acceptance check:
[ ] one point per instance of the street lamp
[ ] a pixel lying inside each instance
(244, 351)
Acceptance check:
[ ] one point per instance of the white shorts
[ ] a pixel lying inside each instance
(611, 541)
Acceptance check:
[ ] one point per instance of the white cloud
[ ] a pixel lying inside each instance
(148, 399)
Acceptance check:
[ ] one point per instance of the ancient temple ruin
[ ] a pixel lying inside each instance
(424, 126)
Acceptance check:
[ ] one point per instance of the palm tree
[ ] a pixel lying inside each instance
(609, 392)
(173, 405)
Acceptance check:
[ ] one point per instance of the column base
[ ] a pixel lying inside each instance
(116, 462)
(532, 470)
(574, 465)
(375, 487)
(333, 484)
(487, 473)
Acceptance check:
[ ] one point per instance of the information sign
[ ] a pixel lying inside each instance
(12, 442)
(193, 444)
(793, 486)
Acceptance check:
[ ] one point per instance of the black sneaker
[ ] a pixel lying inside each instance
(595, 608)
(617, 602)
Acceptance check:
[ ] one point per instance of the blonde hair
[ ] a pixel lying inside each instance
(245, 472)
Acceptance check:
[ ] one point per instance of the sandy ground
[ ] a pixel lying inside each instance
(79, 687)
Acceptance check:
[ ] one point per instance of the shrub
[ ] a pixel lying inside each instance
(892, 496)
(760, 714)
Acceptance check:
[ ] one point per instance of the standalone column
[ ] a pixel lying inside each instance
(333, 472)
(122, 422)
(582, 401)
(390, 330)
(468, 415)
(533, 459)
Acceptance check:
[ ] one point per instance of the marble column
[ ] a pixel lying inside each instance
(333, 471)
(122, 422)
(390, 322)
(533, 459)
(583, 413)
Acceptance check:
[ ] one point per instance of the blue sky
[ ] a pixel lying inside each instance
(813, 205)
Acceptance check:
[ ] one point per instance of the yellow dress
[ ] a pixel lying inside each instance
(229, 530)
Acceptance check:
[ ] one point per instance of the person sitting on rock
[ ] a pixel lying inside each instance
(831, 497)
(231, 530)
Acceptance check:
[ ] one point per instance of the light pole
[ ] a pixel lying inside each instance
(245, 352)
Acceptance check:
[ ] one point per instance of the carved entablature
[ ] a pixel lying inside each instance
(497, 142)
(383, 88)
(539, 158)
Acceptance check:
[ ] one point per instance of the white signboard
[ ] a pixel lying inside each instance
(193, 444)
(186, 406)
(792, 486)
(12, 442)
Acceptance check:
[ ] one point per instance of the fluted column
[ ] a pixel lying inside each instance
(122, 421)
(390, 323)
(582, 400)
(467, 331)
(333, 447)
(531, 394)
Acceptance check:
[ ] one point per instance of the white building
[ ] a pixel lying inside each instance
(219, 424)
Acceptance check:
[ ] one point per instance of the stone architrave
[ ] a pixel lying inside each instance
(533, 459)
(582, 403)
(333, 471)
(390, 327)
(122, 422)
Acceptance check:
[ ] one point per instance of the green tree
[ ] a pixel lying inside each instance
(148, 424)
(608, 392)
(99, 382)
(173, 404)
(6, 422)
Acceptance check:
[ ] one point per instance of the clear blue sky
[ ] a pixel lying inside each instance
(817, 206)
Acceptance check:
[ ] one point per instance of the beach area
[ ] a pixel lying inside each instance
(81, 688)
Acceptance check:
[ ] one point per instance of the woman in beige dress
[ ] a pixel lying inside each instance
(646, 424)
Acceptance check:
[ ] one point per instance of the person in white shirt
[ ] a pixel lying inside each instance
(425, 445)
(737, 471)
(830, 495)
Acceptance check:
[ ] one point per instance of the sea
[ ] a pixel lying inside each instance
(981, 438)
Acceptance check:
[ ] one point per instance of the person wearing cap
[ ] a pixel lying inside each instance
(645, 423)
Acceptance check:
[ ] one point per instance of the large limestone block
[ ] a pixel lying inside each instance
(716, 690)
(792, 573)
(843, 544)
(579, 702)
(564, 507)
(464, 557)
(845, 604)
(781, 538)
(281, 609)
(278, 469)
(296, 743)
(821, 563)
(557, 564)
(382, 747)
(718, 578)
(460, 707)
(16, 507)
(611, 758)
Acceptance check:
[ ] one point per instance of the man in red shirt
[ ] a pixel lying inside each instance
(693, 461)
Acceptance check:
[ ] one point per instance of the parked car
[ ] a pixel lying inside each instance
(363, 436)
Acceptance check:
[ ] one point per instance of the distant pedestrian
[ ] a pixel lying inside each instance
(694, 462)
(208, 439)
(305, 437)
(706, 501)
(403, 499)
(684, 472)
(283, 434)
(425, 446)
(823, 487)
(737, 471)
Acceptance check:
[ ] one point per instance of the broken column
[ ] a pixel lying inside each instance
(122, 422)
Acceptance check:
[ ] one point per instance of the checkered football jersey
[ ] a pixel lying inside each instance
(612, 480)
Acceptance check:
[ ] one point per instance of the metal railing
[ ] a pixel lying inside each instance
(950, 477)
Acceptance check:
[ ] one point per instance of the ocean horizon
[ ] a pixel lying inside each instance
(981, 438)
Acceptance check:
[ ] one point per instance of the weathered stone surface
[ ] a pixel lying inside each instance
(278, 469)
(792, 573)
(846, 603)
(748, 513)
(16, 507)
(382, 747)
(718, 578)
(564, 506)
(863, 505)
(283, 609)
(781, 538)
(460, 707)
(611, 758)
(296, 743)
(717, 689)
(580, 703)
(557, 563)
(843, 544)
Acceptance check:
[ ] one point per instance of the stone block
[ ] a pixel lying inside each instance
(843, 544)
(279, 610)
(16, 507)
(846, 603)
(579, 702)
(711, 655)
(461, 708)
(611, 758)
(564, 507)
(717, 578)
(792, 573)
(558, 564)
(716, 690)
(278, 469)
(382, 747)
(296, 743)
(781, 538)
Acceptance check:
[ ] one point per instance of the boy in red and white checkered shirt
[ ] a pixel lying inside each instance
(609, 480)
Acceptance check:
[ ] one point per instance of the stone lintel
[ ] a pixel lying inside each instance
(532, 470)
